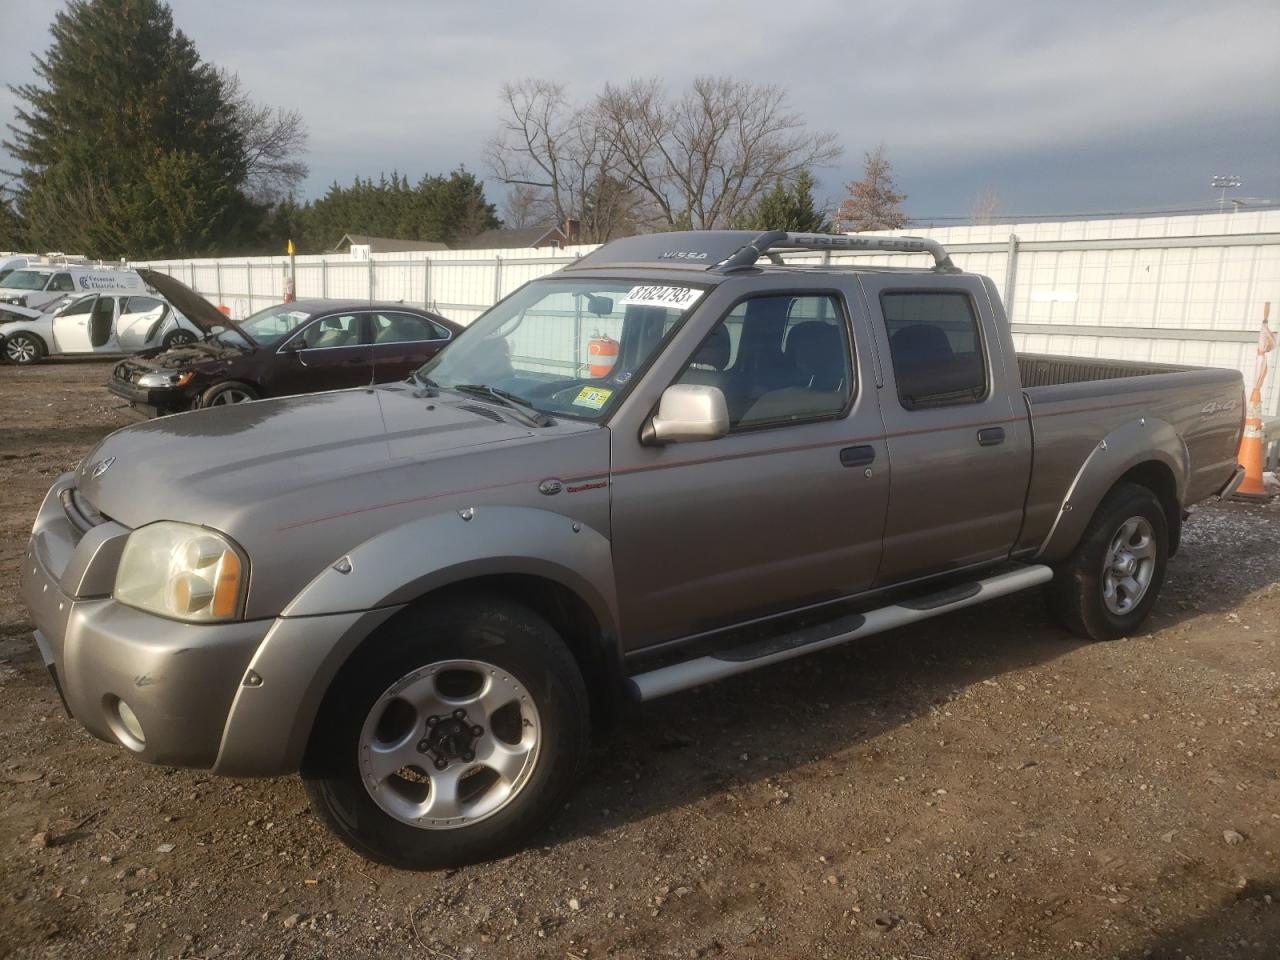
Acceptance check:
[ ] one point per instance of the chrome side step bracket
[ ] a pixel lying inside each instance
(694, 673)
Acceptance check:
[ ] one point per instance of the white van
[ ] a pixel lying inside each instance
(34, 286)
(10, 262)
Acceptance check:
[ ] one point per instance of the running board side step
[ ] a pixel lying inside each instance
(727, 663)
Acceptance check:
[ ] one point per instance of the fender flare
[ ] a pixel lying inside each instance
(274, 709)
(1129, 445)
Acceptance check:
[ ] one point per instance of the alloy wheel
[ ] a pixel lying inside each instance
(1128, 565)
(450, 744)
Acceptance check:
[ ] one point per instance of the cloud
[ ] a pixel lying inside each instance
(1148, 97)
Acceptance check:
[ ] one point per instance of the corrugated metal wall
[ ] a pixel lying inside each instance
(1186, 290)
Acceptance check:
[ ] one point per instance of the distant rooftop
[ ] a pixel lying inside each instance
(385, 244)
(511, 238)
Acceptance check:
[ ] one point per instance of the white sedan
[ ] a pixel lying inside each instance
(95, 323)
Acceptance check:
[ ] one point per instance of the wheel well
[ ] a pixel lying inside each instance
(1159, 479)
(571, 617)
(44, 344)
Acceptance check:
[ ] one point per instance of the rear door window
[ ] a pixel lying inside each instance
(936, 347)
(403, 328)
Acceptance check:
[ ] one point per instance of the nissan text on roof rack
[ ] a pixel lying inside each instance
(674, 461)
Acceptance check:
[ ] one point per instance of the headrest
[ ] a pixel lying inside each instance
(715, 350)
(920, 341)
(814, 345)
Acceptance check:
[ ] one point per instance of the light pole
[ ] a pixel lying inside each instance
(1224, 184)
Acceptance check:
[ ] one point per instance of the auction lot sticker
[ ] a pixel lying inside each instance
(593, 397)
(674, 298)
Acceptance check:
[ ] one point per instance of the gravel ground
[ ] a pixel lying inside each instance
(980, 786)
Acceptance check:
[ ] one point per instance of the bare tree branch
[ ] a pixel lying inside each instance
(275, 140)
(635, 157)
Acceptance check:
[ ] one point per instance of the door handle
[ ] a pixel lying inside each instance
(990, 436)
(858, 456)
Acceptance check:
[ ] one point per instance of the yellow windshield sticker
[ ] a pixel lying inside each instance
(593, 397)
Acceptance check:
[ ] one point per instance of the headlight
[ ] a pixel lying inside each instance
(164, 379)
(182, 571)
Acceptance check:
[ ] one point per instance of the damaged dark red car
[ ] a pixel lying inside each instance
(300, 347)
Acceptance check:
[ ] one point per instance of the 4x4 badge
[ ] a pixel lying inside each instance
(101, 467)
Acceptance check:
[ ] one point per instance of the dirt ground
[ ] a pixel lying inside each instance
(980, 786)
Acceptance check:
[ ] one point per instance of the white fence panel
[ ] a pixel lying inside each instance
(1186, 289)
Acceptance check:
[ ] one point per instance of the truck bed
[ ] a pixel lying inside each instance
(1047, 370)
(1196, 412)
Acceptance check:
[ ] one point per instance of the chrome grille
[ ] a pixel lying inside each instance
(81, 514)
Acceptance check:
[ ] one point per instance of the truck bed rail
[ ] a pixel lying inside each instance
(1046, 370)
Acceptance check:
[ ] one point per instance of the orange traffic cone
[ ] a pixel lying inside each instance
(1254, 486)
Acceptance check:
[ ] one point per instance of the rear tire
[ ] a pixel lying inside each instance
(1109, 584)
(224, 394)
(399, 788)
(24, 348)
(178, 338)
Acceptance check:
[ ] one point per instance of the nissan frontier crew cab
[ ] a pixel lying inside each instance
(676, 460)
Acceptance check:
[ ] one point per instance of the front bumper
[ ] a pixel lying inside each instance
(188, 685)
(149, 401)
(178, 679)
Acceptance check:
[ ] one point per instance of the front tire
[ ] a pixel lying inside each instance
(453, 737)
(24, 348)
(1109, 584)
(225, 394)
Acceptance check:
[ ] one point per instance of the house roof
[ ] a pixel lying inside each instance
(386, 244)
(512, 238)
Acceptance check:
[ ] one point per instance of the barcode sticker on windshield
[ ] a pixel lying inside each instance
(674, 298)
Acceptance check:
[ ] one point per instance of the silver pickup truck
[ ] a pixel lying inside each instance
(677, 460)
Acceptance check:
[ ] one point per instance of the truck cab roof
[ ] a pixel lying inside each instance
(721, 253)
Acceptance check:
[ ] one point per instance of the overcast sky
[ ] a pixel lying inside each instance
(1058, 107)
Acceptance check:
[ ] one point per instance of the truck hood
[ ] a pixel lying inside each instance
(223, 464)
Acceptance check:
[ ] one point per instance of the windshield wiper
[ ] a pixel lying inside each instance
(527, 413)
(427, 387)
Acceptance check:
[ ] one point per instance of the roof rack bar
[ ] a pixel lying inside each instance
(773, 240)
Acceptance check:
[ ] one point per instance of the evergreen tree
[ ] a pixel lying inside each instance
(12, 234)
(128, 142)
(873, 202)
(789, 208)
(445, 209)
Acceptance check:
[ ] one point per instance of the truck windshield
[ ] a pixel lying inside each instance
(566, 347)
(25, 280)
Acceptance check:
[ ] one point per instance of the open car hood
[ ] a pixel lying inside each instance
(195, 307)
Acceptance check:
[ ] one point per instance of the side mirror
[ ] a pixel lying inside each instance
(688, 412)
(296, 344)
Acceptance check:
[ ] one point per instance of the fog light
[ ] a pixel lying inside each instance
(127, 728)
